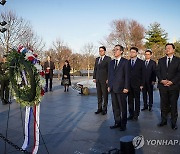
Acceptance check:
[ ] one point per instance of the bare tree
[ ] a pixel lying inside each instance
(78, 62)
(19, 32)
(33, 41)
(62, 52)
(88, 51)
(16, 28)
(127, 33)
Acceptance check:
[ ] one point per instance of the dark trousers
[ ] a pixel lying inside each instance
(134, 106)
(47, 77)
(119, 106)
(102, 95)
(147, 93)
(5, 91)
(169, 99)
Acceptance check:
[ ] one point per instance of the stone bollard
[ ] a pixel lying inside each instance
(126, 145)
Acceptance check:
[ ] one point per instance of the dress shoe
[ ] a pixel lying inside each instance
(130, 118)
(67, 90)
(64, 90)
(174, 126)
(143, 109)
(123, 128)
(135, 118)
(115, 126)
(98, 111)
(161, 124)
(104, 112)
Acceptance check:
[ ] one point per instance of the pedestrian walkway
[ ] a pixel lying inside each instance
(68, 125)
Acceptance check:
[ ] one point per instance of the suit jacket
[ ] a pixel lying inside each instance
(149, 72)
(118, 79)
(171, 73)
(136, 73)
(52, 67)
(101, 70)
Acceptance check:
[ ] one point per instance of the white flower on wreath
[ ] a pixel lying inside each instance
(28, 54)
(19, 80)
(29, 51)
(42, 81)
(38, 67)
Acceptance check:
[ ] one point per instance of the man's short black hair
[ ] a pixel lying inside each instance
(121, 47)
(103, 47)
(134, 48)
(173, 46)
(149, 50)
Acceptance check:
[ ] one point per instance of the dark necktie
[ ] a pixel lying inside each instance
(146, 63)
(169, 61)
(132, 63)
(116, 64)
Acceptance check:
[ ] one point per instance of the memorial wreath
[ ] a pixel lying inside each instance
(26, 76)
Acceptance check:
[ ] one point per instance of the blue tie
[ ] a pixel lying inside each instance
(146, 63)
(132, 63)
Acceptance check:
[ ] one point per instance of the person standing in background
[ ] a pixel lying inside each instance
(48, 68)
(4, 81)
(66, 79)
(100, 77)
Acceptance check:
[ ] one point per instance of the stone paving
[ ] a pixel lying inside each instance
(68, 125)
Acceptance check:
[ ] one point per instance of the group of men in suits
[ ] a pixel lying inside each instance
(125, 79)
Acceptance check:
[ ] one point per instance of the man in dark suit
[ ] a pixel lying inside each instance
(135, 66)
(48, 68)
(149, 79)
(4, 81)
(168, 73)
(100, 78)
(118, 85)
